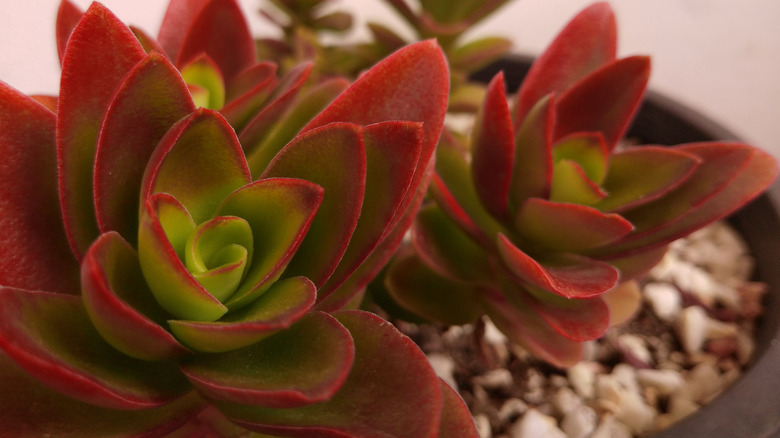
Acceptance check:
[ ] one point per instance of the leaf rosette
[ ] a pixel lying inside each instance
(195, 229)
(540, 219)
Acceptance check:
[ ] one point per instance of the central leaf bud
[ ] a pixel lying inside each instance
(217, 254)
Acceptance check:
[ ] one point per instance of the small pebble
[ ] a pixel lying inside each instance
(579, 422)
(534, 424)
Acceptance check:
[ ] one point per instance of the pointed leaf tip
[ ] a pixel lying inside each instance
(586, 43)
(568, 275)
(100, 52)
(493, 150)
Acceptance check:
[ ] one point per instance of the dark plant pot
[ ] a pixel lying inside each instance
(751, 406)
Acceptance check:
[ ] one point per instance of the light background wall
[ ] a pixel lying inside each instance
(722, 57)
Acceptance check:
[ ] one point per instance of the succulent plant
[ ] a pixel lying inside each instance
(541, 217)
(183, 236)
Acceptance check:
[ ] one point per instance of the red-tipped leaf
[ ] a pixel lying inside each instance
(52, 338)
(149, 101)
(587, 42)
(493, 150)
(628, 186)
(164, 228)
(199, 162)
(120, 304)
(569, 276)
(304, 364)
(392, 154)
(422, 291)
(532, 170)
(408, 402)
(68, 15)
(283, 304)
(100, 52)
(29, 408)
(334, 157)
(524, 327)
(36, 253)
(556, 226)
(604, 101)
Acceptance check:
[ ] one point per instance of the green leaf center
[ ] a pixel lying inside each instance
(217, 254)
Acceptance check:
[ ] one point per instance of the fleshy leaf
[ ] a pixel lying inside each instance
(248, 93)
(149, 101)
(68, 16)
(251, 78)
(219, 30)
(304, 364)
(456, 420)
(392, 153)
(120, 304)
(278, 308)
(411, 84)
(579, 319)
(176, 23)
(587, 42)
(455, 192)
(446, 248)
(218, 253)
(526, 328)
(754, 172)
(52, 338)
(378, 259)
(532, 170)
(554, 226)
(282, 121)
(570, 183)
(199, 162)
(623, 301)
(586, 149)
(493, 150)
(333, 157)
(165, 226)
(478, 53)
(407, 402)
(148, 42)
(204, 72)
(605, 101)
(100, 52)
(280, 212)
(636, 263)
(416, 288)
(255, 130)
(570, 276)
(29, 408)
(36, 253)
(628, 186)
